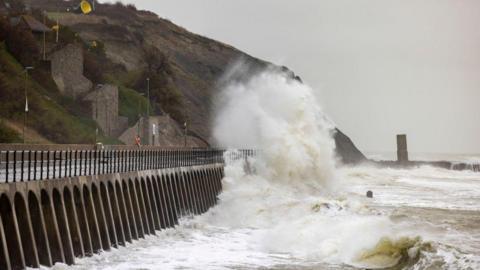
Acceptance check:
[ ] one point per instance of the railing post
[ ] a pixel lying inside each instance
(41, 165)
(185, 157)
(175, 164)
(108, 161)
(68, 160)
(54, 169)
(7, 166)
(95, 162)
(130, 161)
(166, 159)
(140, 157)
(174, 158)
(14, 166)
(75, 163)
(113, 155)
(122, 161)
(103, 162)
(66, 163)
(150, 154)
(119, 160)
(35, 165)
(99, 162)
(22, 164)
(115, 161)
(69, 163)
(85, 162)
(48, 164)
(163, 158)
(81, 158)
(178, 154)
(135, 160)
(29, 164)
(152, 159)
(59, 164)
(145, 159)
(126, 161)
(90, 158)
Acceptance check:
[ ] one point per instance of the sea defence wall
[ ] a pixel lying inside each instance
(43, 222)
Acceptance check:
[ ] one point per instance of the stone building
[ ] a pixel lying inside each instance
(67, 71)
(29, 23)
(104, 110)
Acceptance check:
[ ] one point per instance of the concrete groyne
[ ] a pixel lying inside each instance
(57, 220)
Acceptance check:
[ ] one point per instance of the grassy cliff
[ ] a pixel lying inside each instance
(56, 118)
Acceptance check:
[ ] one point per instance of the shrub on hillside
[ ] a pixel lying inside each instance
(8, 135)
(11, 94)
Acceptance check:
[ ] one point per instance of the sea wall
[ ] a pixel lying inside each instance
(50, 221)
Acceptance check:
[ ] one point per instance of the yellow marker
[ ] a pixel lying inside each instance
(56, 27)
(85, 7)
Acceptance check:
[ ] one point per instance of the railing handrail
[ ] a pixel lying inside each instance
(32, 165)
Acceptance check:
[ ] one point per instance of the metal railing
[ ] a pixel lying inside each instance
(26, 165)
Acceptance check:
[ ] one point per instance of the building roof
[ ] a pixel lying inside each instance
(33, 24)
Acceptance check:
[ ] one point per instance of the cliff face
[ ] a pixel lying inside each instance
(189, 63)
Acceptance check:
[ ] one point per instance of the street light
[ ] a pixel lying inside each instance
(148, 107)
(96, 111)
(148, 97)
(26, 102)
(139, 114)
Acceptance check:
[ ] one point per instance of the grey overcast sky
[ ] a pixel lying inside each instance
(380, 67)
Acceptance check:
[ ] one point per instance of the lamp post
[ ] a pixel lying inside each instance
(96, 111)
(148, 107)
(148, 97)
(139, 115)
(26, 102)
(44, 36)
(185, 134)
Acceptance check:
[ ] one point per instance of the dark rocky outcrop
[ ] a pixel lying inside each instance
(346, 150)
